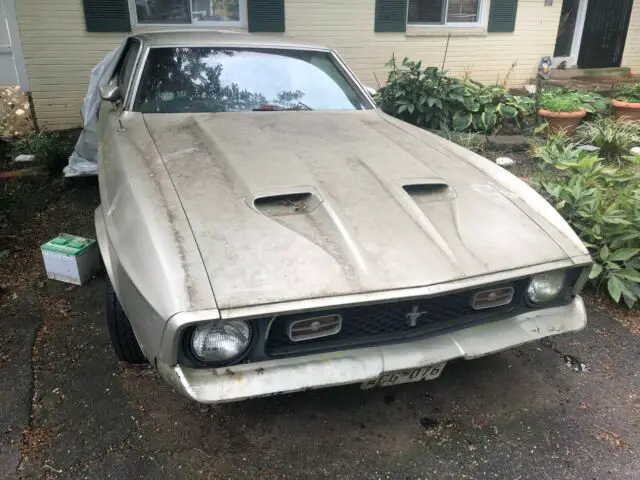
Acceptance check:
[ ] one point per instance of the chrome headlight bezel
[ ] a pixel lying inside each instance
(195, 359)
(557, 283)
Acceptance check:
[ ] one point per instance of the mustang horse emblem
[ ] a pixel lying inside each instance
(413, 316)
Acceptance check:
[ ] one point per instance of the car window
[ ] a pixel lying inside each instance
(207, 79)
(128, 66)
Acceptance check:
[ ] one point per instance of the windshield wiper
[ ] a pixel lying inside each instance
(270, 107)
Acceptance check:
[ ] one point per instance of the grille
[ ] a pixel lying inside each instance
(382, 323)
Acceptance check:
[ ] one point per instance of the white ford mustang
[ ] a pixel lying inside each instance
(266, 229)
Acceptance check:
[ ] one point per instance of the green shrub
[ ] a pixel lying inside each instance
(614, 137)
(49, 148)
(629, 93)
(602, 204)
(565, 100)
(557, 150)
(427, 97)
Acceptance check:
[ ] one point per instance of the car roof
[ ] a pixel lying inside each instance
(212, 38)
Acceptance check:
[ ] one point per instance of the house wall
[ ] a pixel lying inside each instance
(59, 52)
(631, 56)
(486, 57)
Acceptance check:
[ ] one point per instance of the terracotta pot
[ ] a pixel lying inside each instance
(627, 110)
(567, 121)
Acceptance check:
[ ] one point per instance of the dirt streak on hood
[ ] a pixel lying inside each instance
(360, 227)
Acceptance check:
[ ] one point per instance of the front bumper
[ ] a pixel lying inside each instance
(239, 382)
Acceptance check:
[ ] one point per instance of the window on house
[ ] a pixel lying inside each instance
(442, 12)
(188, 11)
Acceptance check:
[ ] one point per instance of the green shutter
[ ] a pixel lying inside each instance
(107, 15)
(266, 15)
(502, 15)
(391, 16)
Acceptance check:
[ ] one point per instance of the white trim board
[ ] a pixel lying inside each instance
(15, 46)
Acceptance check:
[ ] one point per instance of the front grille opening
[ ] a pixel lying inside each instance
(377, 324)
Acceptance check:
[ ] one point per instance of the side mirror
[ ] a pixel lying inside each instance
(371, 91)
(110, 93)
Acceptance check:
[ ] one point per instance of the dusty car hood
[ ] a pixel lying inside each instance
(360, 229)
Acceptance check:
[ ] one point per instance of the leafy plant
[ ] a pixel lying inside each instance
(49, 148)
(629, 93)
(429, 98)
(602, 204)
(614, 137)
(558, 150)
(565, 100)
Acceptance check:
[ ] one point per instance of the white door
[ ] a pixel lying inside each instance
(570, 30)
(12, 70)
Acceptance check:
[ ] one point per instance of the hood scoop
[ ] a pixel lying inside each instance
(295, 203)
(429, 191)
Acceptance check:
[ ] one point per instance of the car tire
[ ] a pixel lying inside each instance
(122, 337)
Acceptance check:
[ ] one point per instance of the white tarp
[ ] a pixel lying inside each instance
(84, 159)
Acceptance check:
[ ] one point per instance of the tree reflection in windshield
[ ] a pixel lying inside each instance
(226, 80)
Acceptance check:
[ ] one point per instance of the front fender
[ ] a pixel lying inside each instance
(146, 322)
(147, 245)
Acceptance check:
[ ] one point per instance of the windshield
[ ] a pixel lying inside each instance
(206, 79)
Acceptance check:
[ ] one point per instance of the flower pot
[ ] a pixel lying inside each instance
(567, 121)
(627, 110)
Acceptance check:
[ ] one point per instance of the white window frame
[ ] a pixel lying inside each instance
(133, 12)
(483, 16)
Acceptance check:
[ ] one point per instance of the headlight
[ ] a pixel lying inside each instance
(545, 287)
(220, 342)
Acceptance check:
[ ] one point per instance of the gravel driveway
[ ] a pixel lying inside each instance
(569, 408)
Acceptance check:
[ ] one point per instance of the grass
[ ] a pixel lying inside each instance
(614, 137)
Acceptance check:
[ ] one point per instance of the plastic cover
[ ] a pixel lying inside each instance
(84, 159)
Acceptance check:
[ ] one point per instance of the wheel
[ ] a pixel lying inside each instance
(122, 337)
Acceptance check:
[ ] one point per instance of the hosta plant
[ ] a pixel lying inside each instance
(629, 93)
(429, 98)
(602, 204)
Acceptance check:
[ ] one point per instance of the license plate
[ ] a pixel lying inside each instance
(405, 376)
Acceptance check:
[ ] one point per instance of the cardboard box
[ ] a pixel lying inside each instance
(71, 259)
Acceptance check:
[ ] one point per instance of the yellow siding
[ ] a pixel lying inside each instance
(60, 54)
(631, 57)
(486, 57)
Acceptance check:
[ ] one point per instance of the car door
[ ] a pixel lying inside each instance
(109, 122)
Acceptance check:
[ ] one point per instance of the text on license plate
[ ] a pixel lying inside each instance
(405, 376)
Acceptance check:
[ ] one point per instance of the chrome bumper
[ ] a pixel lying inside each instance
(239, 382)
